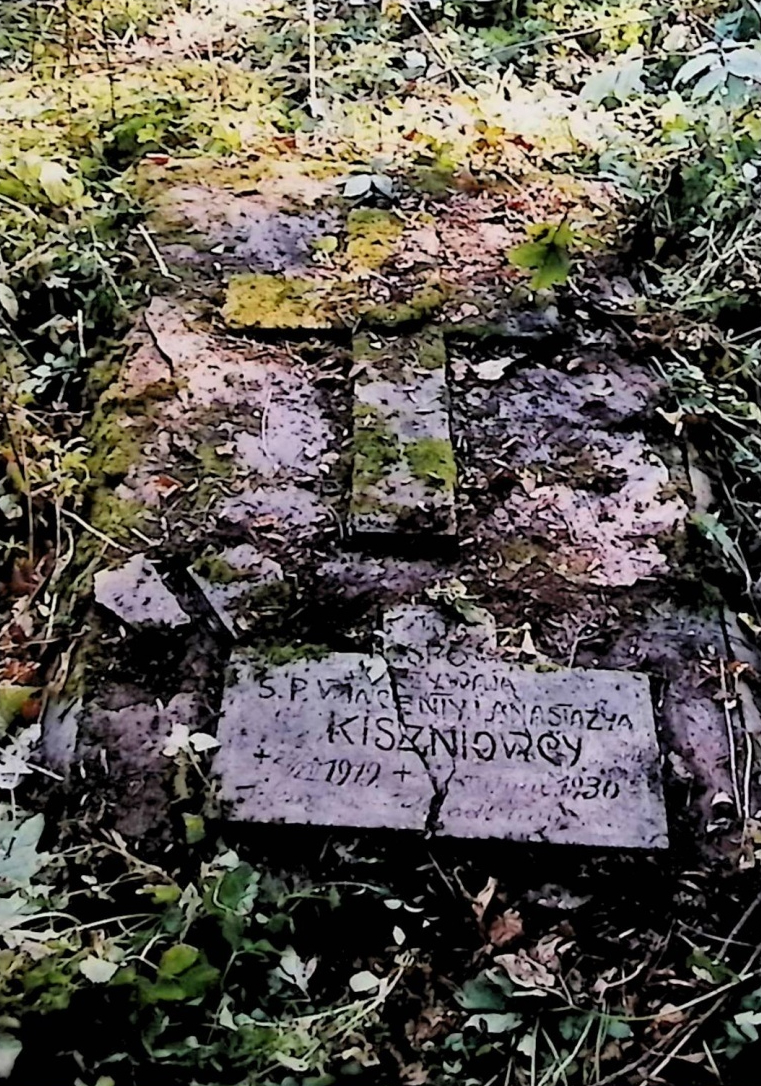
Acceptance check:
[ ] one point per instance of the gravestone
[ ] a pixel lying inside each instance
(437, 733)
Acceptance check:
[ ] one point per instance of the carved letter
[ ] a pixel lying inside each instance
(488, 754)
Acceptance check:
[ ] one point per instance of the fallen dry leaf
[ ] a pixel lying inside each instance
(505, 928)
(482, 900)
(524, 971)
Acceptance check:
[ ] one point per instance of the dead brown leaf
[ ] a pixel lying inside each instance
(505, 928)
(525, 971)
(482, 900)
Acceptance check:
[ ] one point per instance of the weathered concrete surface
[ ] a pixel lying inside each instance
(456, 743)
(199, 435)
(404, 473)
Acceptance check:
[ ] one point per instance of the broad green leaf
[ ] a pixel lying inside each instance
(177, 959)
(745, 64)
(694, 66)
(546, 255)
(709, 83)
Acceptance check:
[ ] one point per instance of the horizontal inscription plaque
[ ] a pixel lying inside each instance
(482, 749)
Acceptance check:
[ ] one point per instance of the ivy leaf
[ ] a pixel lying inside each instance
(546, 255)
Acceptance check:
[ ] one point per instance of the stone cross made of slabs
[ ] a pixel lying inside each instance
(437, 733)
(403, 471)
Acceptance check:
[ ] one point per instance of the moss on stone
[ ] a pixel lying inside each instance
(432, 352)
(421, 307)
(274, 302)
(432, 460)
(111, 516)
(372, 236)
(433, 180)
(216, 570)
(376, 448)
(281, 653)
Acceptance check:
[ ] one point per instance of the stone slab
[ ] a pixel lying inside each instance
(136, 595)
(318, 742)
(403, 479)
(459, 744)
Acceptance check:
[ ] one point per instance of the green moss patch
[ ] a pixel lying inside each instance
(276, 303)
(432, 460)
(372, 237)
(420, 307)
(376, 447)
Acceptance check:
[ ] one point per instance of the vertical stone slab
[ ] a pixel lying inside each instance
(404, 473)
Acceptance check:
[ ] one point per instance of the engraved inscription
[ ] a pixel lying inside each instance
(473, 749)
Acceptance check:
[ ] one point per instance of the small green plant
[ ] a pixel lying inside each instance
(546, 255)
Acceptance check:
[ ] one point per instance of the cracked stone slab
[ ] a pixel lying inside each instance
(135, 593)
(404, 474)
(460, 744)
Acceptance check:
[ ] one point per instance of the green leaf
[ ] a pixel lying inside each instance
(745, 63)
(493, 1022)
(481, 994)
(618, 1030)
(8, 301)
(19, 859)
(694, 66)
(177, 959)
(546, 255)
(10, 1050)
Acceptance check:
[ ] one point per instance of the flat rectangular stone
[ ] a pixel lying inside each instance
(567, 756)
(466, 747)
(404, 473)
(317, 741)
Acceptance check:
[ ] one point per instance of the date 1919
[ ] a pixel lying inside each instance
(338, 771)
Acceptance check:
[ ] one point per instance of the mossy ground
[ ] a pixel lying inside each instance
(274, 303)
